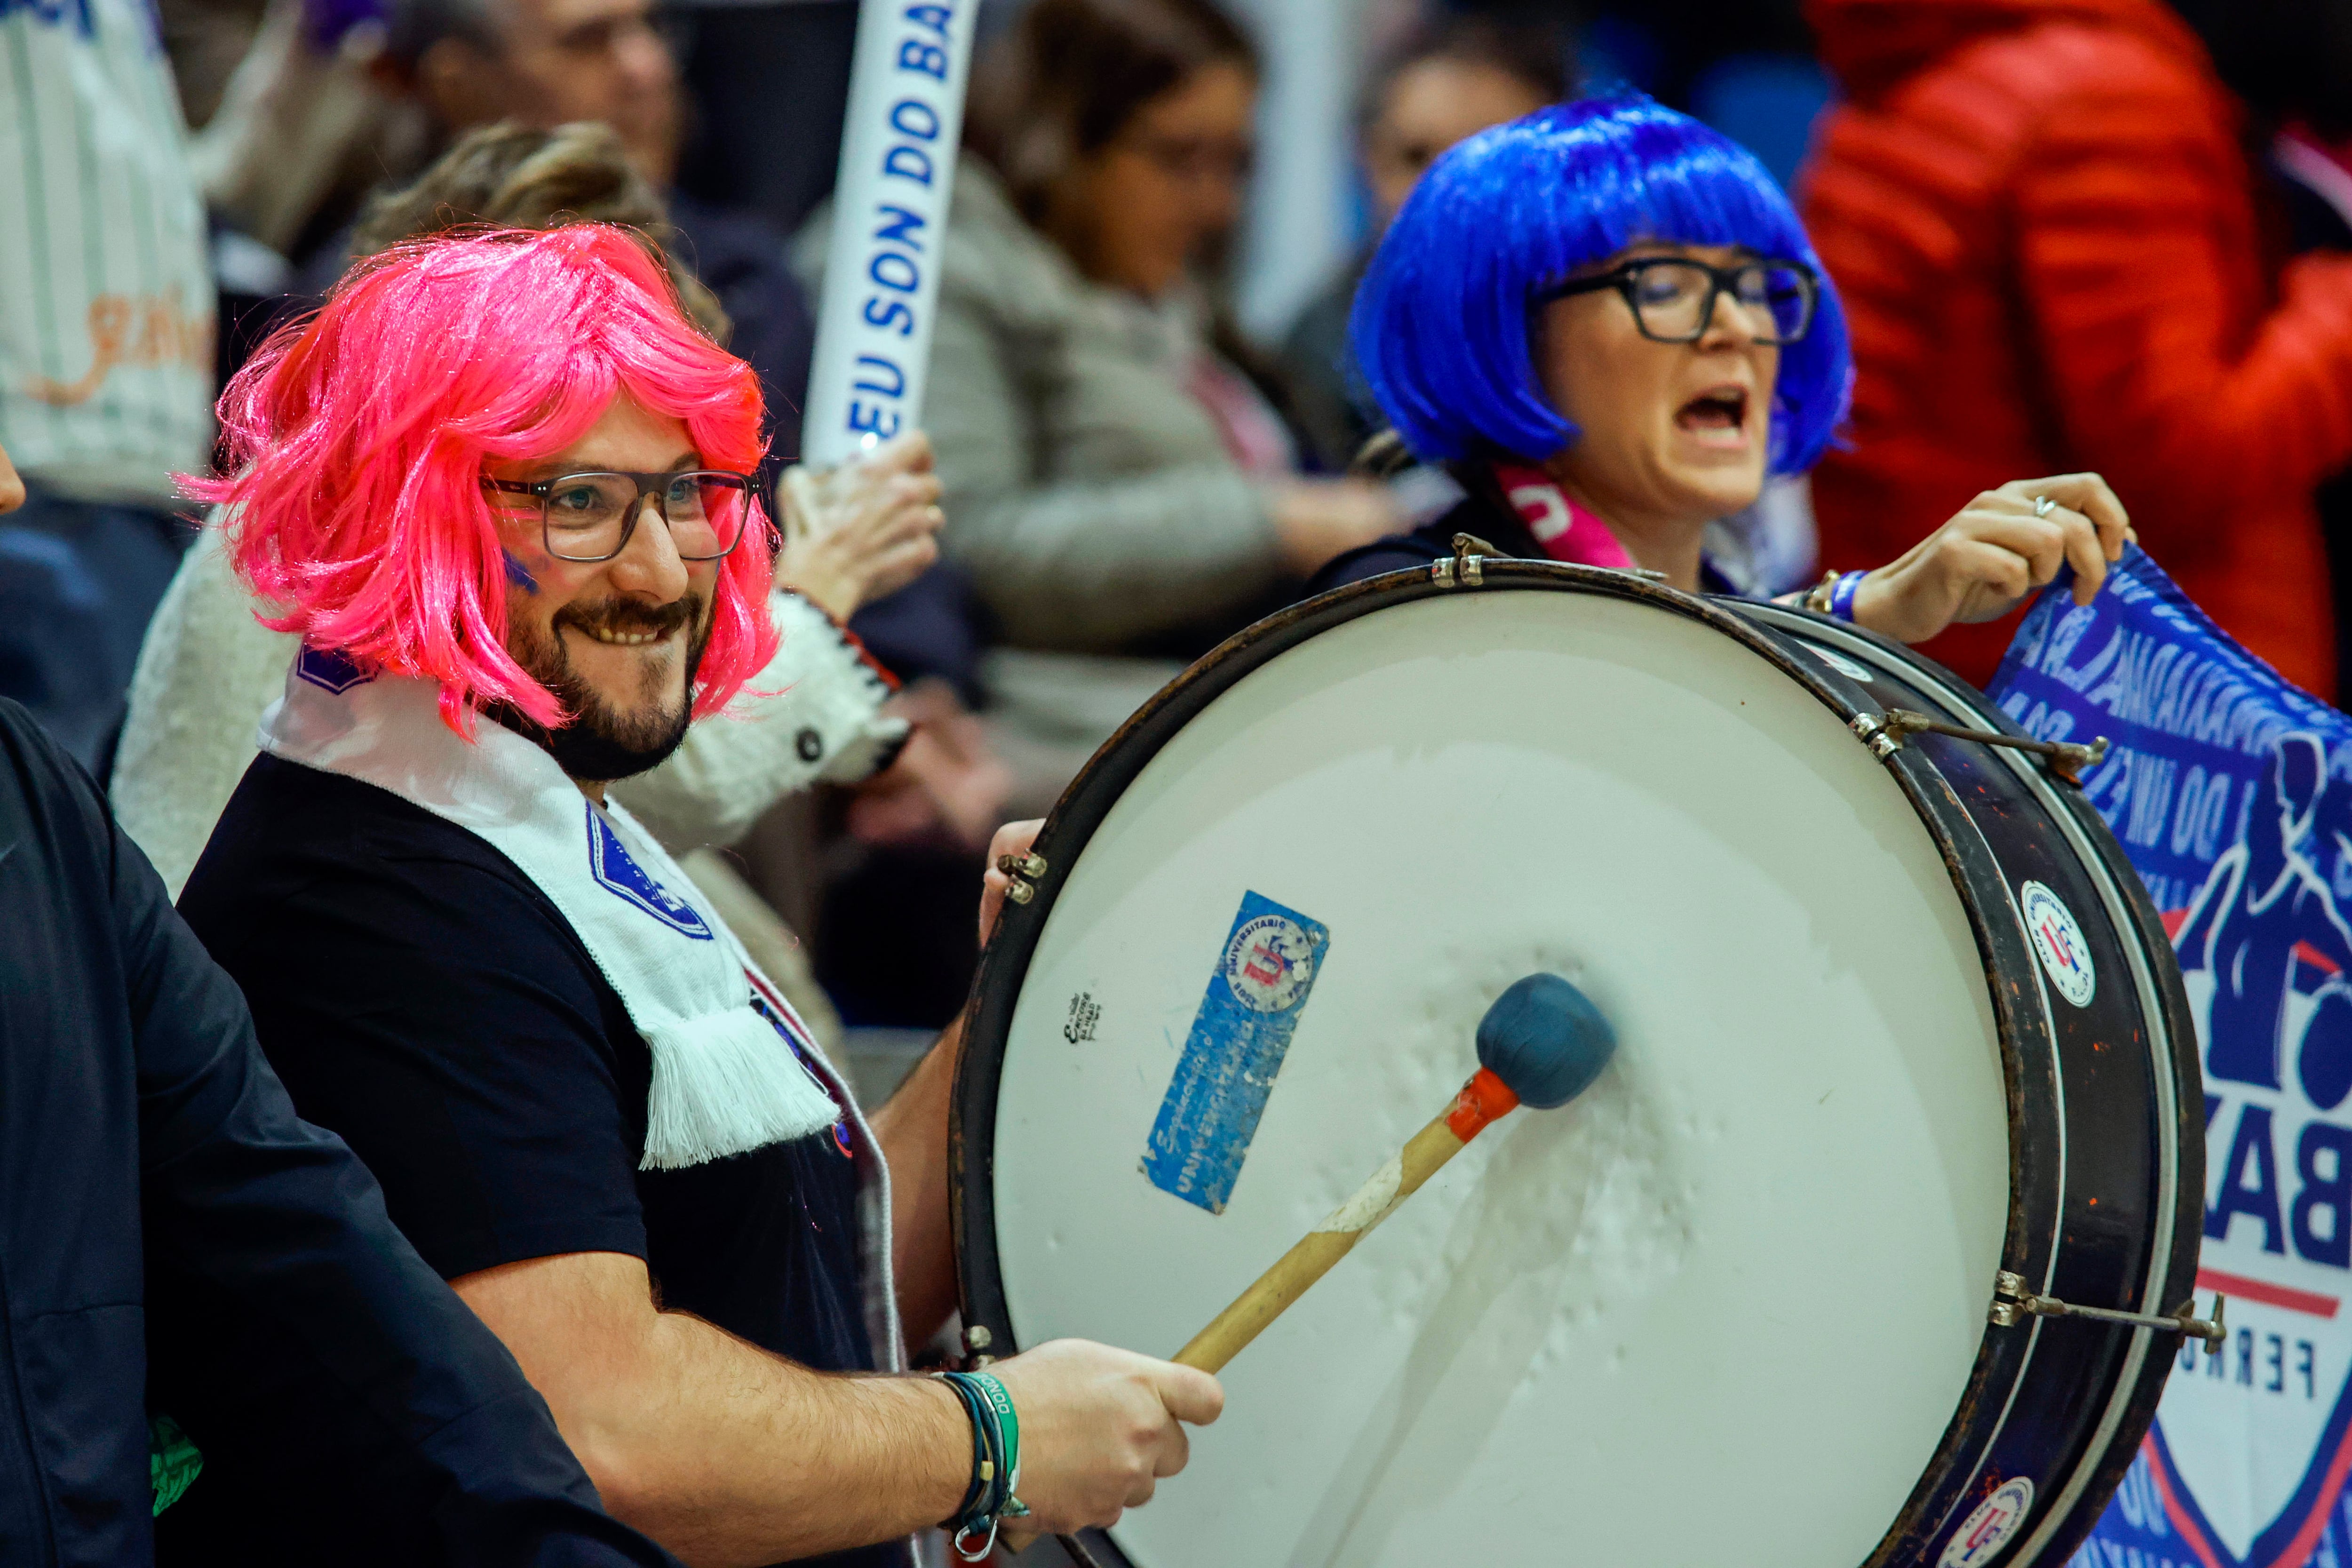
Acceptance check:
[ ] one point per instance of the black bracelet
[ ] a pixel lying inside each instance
(977, 1486)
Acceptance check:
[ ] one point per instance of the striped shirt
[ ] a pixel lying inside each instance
(107, 307)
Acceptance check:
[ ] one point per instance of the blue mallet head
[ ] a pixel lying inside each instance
(1546, 1040)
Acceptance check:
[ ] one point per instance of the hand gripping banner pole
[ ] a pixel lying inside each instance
(898, 145)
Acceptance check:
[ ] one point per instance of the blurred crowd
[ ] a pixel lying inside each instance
(2069, 235)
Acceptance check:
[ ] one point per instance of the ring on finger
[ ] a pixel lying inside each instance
(2044, 506)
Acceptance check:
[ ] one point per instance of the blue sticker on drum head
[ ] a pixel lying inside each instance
(1265, 972)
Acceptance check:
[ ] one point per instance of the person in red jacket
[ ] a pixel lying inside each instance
(2044, 220)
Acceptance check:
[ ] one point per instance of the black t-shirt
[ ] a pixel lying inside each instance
(420, 996)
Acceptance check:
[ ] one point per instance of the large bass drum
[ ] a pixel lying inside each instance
(1895, 1019)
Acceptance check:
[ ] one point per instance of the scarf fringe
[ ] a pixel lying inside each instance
(717, 1091)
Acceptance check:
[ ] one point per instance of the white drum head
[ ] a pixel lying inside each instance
(1717, 1314)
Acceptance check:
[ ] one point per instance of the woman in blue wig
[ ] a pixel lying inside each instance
(1606, 320)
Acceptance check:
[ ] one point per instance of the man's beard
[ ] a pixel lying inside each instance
(600, 745)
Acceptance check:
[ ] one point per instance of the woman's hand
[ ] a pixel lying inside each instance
(863, 530)
(1315, 519)
(1981, 563)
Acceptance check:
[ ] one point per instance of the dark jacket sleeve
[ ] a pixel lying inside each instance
(1371, 560)
(272, 1236)
(1478, 513)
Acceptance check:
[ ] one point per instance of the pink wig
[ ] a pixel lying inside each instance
(358, 440)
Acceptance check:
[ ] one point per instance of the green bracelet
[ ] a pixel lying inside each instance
(1008, 1421)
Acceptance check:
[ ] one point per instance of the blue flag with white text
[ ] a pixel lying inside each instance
(2232, 793)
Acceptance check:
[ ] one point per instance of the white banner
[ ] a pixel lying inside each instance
(898, 149)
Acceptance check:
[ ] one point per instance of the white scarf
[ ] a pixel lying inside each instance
(723, 1081)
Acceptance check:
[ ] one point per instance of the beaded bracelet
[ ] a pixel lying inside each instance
(995, 1463)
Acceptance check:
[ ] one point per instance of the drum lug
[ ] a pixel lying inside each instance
(1882, 745)
(2012, 1302)
(1883, 732)
(1467, 565)
(1022, 873)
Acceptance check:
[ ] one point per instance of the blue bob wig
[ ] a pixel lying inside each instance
(1442, 323)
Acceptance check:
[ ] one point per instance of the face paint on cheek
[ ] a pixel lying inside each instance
(517, 575)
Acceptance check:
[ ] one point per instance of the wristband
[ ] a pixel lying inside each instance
(995, 1461)
(1008, 1421)
(1842, 593)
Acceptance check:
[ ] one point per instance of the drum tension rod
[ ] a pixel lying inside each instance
(2012, 1300)
(1466, 567)
(1885, 732)
(1023, 872)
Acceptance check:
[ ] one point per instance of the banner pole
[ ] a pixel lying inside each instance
(898, 145)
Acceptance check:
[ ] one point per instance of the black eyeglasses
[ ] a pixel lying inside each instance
(1672, 298)
(590, 516)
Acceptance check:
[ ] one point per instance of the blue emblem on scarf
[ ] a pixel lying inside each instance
(329, 670)
(610, 861)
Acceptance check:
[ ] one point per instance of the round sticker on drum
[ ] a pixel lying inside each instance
(1989, 1524)
(1269, 963)
(1838, 661)
(2065, 956)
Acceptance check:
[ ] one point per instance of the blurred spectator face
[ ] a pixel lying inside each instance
(12, 488)
(1428, 107)
(1169, 184)
(558, 61)
(1670, 432)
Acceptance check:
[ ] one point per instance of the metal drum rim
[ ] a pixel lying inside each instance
(1088, 799)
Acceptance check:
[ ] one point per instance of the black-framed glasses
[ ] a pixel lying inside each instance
(590, 516)
(1672, 298)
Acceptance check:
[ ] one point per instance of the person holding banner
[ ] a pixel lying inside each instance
(1121, 491)
(1668, 339)
(500, 487)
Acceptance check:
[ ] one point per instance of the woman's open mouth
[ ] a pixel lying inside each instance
(1718, 416)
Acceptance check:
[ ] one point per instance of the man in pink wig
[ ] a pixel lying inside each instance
(499, 484)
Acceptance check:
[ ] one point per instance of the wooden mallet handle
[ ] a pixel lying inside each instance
(1482, 1100)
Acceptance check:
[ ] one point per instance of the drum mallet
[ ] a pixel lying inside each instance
(1542, 1044)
